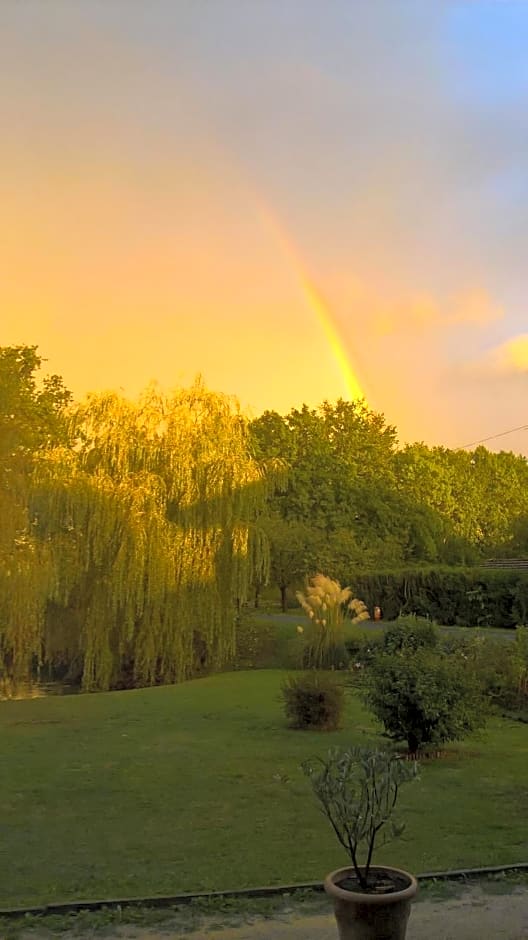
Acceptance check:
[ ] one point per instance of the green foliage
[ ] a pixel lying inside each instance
(358, 789)
(479, 494)
(32, 418)
(410, 633)
(133, 532)
(363, 648)
(295, 550)
(463, 596)
(494, 668)
(520, 658)
(31, 413)
(424, 697)
(314, 700)
(387, 508)
(340, 483)
(256, 643)
(501, 669)
(145, 531)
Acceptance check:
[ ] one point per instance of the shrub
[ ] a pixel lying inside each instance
(410, 633)
(363, 648)
(424, 697)
(520, 658)
(502, 669)
(314, 700)
(494, 668)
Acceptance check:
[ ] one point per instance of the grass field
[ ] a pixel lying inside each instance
(197, 786)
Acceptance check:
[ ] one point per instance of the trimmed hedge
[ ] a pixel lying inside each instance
(467, 597)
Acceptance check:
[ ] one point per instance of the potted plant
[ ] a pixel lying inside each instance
(358, 789)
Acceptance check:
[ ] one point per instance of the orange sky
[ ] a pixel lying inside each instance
(142, 157)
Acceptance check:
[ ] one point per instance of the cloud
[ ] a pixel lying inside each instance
(505, 361)
(511, 357)
(423, 313)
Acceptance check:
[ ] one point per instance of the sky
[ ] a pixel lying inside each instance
(299, 200)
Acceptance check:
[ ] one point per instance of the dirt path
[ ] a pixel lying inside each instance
(474, 914)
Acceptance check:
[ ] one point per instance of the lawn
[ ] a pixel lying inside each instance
(197, 786)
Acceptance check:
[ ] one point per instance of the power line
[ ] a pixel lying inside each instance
(522, 427)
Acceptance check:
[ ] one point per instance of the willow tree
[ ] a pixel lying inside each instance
(152, 518)
(27, 580)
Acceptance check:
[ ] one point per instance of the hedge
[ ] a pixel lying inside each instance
(468, 597)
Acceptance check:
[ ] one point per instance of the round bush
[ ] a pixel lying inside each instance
(424, 697)
(314, 700)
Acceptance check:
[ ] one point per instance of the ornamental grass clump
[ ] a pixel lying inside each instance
(326, 603)
(358, 789)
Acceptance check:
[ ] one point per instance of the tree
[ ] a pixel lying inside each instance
(32, 418)
(479, 495)
(152, 522)
(296, 551)
(31, 415)
(340, 476)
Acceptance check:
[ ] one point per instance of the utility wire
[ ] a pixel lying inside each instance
(522, 427)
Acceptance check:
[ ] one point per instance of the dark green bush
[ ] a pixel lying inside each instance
(410, 633)
(502, 670)
(314, 700)
(424, 697)
(468, 597)
(363, 648)
(494, 666)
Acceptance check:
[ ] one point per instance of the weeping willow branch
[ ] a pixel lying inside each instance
(149, 523)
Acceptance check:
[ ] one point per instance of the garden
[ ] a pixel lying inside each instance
(199, 787)
(139, 543)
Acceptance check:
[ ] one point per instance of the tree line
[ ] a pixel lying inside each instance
(355, 501)
(134, 531)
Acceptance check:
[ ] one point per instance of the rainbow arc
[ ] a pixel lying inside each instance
(315, 303)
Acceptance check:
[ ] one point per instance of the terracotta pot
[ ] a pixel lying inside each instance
(371, 916)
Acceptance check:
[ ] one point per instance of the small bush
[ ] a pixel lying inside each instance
(314, 700)
(410, 633)
(424, 697)
(502, 670)
(363, 648)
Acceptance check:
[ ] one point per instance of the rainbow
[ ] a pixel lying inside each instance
(315, 303)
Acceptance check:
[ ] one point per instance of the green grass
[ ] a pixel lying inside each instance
(197, 787)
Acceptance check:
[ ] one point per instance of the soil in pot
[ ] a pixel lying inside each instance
(381, 881)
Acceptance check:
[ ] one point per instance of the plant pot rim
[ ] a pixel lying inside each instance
(360, 897)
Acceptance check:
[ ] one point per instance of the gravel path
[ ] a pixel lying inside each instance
(474, 914)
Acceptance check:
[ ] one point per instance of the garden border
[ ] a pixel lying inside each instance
(70, 907)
